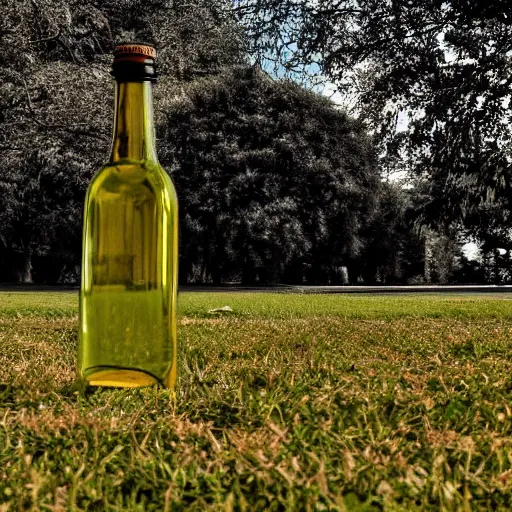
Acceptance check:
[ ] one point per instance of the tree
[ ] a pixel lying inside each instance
(51, 133)
(274, 182)
(57, 97)
(393, 248)
(442, 67)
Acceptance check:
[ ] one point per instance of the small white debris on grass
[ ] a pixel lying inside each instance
(225, 309)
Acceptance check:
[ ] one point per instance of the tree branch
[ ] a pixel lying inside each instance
(44, 39)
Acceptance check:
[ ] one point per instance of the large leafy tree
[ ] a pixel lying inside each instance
(393, 245)
(440, 70)
(56, 103)
(274, 182)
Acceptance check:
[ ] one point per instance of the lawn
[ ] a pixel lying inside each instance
(291, 402)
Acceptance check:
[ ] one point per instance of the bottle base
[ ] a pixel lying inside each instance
(120, 378)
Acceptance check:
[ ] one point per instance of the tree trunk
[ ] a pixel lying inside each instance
(507, 265)
(202, 272)
(216, 271)
(26, 271)
(427, 272)
(248, 272)
(497, 278)
(184, 270)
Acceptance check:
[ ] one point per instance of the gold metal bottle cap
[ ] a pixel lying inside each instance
(133, 49)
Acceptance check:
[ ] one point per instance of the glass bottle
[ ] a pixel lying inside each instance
(128, 289)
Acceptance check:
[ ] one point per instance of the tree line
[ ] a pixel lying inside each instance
(276, 183)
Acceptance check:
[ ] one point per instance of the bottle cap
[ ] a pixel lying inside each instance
(128, 49)
(134, 62)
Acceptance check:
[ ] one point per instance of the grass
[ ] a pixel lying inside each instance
(291, 402)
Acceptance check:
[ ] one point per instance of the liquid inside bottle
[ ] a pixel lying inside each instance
(129, 267)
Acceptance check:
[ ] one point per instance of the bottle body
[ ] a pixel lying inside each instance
(127, 333)
(129, 277)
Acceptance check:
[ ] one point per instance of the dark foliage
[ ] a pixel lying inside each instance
(56, 109)
(443, 65)
(275, 183)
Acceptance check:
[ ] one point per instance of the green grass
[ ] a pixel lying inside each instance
(281, 306)
(291, 402)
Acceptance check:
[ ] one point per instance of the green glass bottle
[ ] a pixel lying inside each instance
(130, 245)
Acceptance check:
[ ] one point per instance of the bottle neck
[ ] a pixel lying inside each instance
(134, 131)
